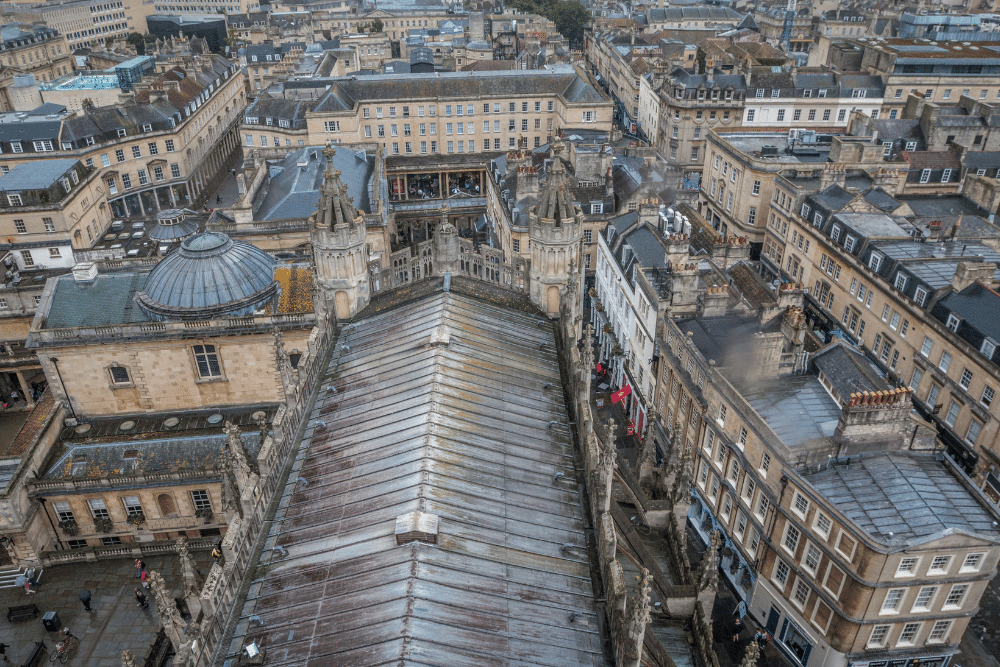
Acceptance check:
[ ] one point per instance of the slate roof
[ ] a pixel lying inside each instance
(982, 160)
(978, 306)
(897, 128)
(36, 175)
(186, 453)
(848, 370)
(294, 111)
(344, 93)
(293, 191)
(458, 430)
(833, 198)
(912, 496)
(881, 199)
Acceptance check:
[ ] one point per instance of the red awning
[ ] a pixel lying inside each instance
(621, 394)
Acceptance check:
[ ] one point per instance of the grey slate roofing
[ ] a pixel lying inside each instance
(168, 455)
(46, 109)
(292, 110)
(29, 129)
(982, 159)
(682, 77)
(848, 370)
(912, 496)
(833, 198)
(35, 175)
(460, 432)
(978, 306)
(512, 84)
(897, 128)
(293, 189)
(881, 199)
(209, 274)
(106, 301)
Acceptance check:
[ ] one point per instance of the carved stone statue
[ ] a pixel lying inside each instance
(170, 617)
(128, 660)
(751, 655)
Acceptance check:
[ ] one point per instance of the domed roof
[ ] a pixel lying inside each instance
(210, 275)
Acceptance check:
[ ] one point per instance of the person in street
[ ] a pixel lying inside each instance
(139, 567)
(216, 553)
(218, 199)
(3, 652)
(140, 599)
(144, 578)
(27, 588)
(761, 639)
(85, 599)
(737, 627)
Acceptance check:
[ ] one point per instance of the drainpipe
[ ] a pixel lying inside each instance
(69, 401)
(51, 523)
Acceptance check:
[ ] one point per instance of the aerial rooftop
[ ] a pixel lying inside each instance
(430, 531)
(903, 497)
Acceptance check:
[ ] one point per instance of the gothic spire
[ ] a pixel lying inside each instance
(555, 201)
(336, 207)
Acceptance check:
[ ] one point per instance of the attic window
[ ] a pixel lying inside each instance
(146, 127)
(121, 132)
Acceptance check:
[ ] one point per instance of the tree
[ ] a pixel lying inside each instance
(138, 41)
(377, 26)
(570, 16)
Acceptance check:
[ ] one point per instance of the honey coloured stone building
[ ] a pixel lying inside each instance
(153, 371)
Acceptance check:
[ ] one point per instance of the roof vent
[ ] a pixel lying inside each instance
(417, 527)
(85, 272)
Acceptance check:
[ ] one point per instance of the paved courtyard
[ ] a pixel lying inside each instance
(115, 624)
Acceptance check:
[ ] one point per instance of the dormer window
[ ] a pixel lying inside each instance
(953, 322)
(121, 132)
(875, 261)
(988, 348)
(807, 93)
(822, 92)
(146, 127)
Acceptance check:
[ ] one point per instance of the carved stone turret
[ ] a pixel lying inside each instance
(446, 246)
(128, 660)
(637, 615)
(555, 235)
(193, 581)
(340, 250)
(170, 617)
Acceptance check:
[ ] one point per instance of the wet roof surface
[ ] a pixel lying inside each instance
(457, 429)
(911, 496)
(797, 408)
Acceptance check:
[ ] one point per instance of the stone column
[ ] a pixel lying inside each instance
(193, 580)
(24, 389)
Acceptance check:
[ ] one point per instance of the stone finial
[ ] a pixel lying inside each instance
(610, 442)
(128, 660)
(193, 581)
(648, 444)
(708, 572)
(170, 617)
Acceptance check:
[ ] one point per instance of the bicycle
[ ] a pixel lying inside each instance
(63, 648)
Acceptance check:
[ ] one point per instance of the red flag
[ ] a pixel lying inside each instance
(621, 394)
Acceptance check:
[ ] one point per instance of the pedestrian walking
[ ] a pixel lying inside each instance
(737, 628)
(27, 588)
(3, 652)
(218, 199)
(761, 638)
(140, 599)
(139, 567)
(144, 578)
(14, 396)
(216, 553)
(85, 599)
